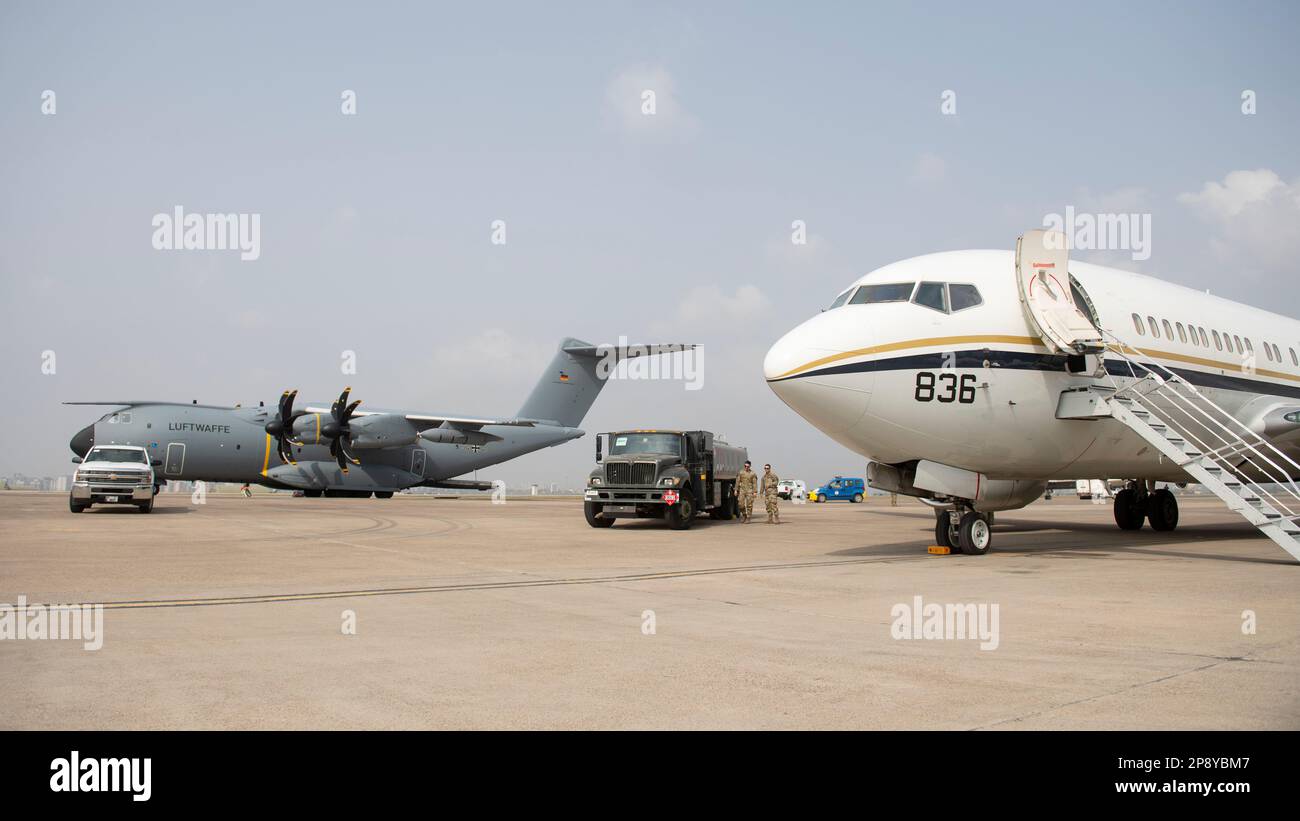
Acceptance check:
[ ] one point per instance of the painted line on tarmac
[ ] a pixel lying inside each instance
(504, 585)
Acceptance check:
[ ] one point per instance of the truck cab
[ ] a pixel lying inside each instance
(662, 474)
(841, 487)
(114, 475)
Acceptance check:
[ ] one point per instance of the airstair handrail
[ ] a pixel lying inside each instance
(1243, 446)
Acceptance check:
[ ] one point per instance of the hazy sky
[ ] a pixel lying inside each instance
(376, 228)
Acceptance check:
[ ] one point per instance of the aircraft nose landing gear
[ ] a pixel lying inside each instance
(963, 530)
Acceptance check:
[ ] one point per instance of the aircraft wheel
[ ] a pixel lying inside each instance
(943, 533)
(313, 494)
(1162, 510)
(383, 494)
(1128, 509)
(974, 534)
(857, 497)
(591, 511)
(682, 514)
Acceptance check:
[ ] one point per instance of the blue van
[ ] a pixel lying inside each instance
(841, 487)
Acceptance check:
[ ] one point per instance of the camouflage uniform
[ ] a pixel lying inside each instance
(746, 490)
(770, 481)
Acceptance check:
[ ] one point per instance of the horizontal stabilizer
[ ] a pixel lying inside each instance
(619, 353)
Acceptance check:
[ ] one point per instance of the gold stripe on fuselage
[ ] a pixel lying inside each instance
(912, 343)
(1007, 339)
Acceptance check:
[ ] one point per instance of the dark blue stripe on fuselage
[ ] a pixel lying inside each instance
(1026, 361)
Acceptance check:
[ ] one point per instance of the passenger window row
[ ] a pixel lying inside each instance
(944, 297)
(1196, 335)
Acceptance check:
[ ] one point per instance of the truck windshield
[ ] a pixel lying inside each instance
(115, 455)
(669, 444)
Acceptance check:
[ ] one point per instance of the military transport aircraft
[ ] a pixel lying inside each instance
(340, 450)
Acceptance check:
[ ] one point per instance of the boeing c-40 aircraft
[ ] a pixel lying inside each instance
(972, 378)
(337, 449)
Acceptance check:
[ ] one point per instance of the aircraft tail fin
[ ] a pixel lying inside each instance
(571, 383)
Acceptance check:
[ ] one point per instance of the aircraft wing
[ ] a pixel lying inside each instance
(423, 421)
(139, 402)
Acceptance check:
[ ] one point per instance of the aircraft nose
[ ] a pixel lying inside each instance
(811, 370)
(83, 441)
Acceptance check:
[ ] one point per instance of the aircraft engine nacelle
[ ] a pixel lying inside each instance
(451, 435)
(382, 430)
(985, 495)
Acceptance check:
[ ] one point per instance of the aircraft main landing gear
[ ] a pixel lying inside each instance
(1138, 503)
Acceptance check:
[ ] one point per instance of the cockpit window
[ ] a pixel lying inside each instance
(840, 300)
(890, 292)
(961, 297)
(932, 295)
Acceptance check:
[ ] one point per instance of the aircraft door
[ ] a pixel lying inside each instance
(175, 461)
(1043, 278)
(417, 462)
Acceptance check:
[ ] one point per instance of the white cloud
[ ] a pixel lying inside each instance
(637, 91)
(1239, 190)
(1256, 215)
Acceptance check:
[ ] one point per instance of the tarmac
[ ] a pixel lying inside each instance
(415, 612)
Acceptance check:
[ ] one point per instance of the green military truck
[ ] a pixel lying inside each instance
(662, 474)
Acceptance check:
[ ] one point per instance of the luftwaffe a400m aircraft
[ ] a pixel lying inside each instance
(972, 378)
(338, 449)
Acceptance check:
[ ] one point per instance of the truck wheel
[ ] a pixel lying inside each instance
(147, 507)
(726, 510)
(682, 514)
(857, 497)
(591, 511)
(76, 508)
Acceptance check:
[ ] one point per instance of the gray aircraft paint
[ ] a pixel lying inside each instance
(224, 444)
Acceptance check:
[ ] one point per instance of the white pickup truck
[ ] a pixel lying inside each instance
(114, 475)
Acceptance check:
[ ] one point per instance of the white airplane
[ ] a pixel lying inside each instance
(972, 378)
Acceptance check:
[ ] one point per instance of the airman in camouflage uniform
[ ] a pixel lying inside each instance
(746, 490)
(770, 499)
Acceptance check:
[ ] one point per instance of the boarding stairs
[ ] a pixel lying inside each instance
(1247, 472)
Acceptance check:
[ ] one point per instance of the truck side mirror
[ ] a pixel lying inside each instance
(76, 460)
(156, 462)
(600, 438)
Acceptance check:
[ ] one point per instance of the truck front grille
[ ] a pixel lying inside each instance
(121, 477)
(634, 473)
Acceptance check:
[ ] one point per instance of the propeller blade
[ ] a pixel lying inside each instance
(337, 408)
(343, 449)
